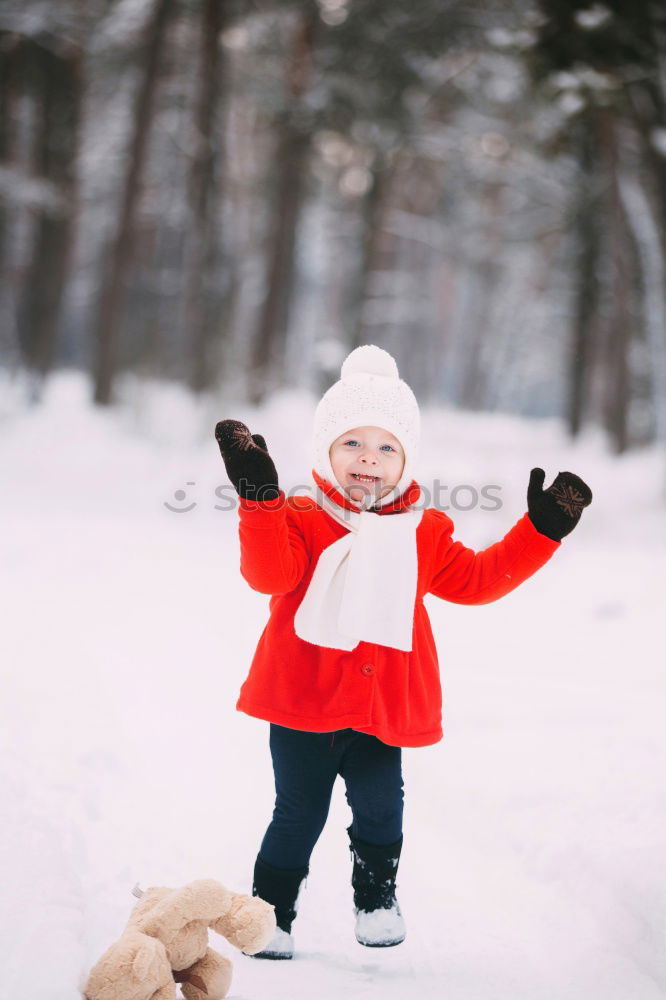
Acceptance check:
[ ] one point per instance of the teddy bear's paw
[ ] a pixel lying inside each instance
(280, 946)
(208, 979)
(249, 923)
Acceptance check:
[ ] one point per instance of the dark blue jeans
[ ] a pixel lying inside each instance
(306, 766)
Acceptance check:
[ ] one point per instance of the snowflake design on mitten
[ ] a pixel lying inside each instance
(569, 498)
(242, 438)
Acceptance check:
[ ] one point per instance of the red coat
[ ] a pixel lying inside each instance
(393, 694)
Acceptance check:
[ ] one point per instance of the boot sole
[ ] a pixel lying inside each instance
(275, 956)
(380, 944)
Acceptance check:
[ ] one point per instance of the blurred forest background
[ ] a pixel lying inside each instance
(232, 194)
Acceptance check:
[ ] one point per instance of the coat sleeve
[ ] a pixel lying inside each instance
(273, 553)
(464, 576)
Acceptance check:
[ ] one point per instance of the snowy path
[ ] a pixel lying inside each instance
(534, 832)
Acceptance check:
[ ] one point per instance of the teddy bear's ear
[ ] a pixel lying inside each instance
(150, 955)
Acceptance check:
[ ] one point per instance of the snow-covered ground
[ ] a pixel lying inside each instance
(535, 832)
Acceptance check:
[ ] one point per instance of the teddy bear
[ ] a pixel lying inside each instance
(165, 942)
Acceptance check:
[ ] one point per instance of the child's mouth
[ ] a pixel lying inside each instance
(364, 479)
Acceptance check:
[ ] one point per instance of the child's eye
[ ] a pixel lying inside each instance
(354, 441)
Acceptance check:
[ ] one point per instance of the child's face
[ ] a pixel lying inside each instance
(370, 452)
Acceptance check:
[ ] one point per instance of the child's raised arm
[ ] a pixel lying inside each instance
(464, 576)
(274, 556)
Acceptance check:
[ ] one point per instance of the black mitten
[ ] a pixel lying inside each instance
(556, 511)
(249, 466)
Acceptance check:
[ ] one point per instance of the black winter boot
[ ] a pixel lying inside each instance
(280, 887)
(379, 922)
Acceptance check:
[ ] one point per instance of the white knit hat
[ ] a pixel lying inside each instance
(370, 393)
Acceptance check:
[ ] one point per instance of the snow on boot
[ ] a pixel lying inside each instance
(380, 928)
(379, 922)
(281, 945)
(280, 887)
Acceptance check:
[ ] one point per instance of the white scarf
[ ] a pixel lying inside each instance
(364, 584)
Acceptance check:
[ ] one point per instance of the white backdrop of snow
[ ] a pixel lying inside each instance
(534, 832)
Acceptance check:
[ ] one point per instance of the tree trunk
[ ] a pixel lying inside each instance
(484, 276)
(620, 324)
(11, 52)
(111, 298)
(54, 79)
(204, 196)
(291, 156)
(413, 337)
(641, 219)
(378, 250)
(587, 290)
(647, 100)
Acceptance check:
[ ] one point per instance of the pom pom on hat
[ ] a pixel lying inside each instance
(370, 393)
(369, 360)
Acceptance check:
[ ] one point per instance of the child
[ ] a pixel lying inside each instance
(346, 669)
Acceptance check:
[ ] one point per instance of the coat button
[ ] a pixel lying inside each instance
(367, 669)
